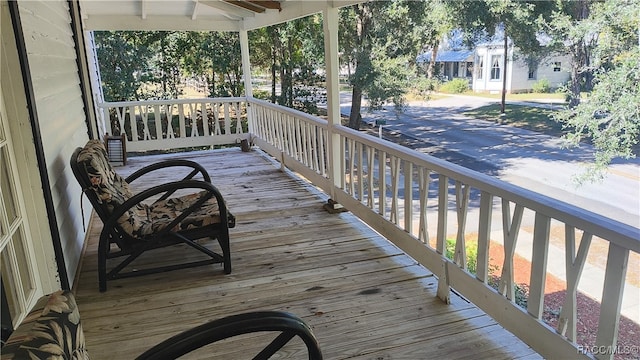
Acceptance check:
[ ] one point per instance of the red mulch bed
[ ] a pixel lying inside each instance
(588, 309)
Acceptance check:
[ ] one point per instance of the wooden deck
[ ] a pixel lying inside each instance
(363, 298)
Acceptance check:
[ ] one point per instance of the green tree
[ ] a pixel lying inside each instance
(439, 23)
(290, 52)
(381, 57)
(216, 56)
(571, 27)
(610, 117)
(123, 64)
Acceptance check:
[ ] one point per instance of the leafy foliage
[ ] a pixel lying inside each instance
(383, 61)
(455, 86)
(123, 65)
(610, 117)
(541, 86)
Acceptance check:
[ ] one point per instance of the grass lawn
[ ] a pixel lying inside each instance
(526, 117)
(522, 96)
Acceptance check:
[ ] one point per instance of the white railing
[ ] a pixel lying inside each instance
(225, 123)
(420, 203)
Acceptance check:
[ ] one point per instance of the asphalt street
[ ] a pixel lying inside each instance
(525, 158)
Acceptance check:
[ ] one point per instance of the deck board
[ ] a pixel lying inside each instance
(363, 298)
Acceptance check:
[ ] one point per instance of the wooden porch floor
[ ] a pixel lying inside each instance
(363, 298)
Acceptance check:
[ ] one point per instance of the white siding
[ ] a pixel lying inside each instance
(556, 78)
(60, 110)
(518, 72)
(486, 84)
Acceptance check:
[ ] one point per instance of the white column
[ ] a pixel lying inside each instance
(246, 73)
(96, 86)
(330, 23)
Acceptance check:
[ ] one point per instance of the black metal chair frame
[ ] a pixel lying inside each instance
(288, 325)
(132, 248)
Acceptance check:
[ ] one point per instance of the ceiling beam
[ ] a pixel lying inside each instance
(270, 4)
(230, 11)
(194, 14)
(143, 9)
(246, 5)
(162, 22)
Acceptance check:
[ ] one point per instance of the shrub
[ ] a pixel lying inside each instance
(455, 86)
(541, 86)
(471, 248)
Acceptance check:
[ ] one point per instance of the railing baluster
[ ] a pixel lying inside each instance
(408, 196)
(443, 210)
(424, 181)
(370, 176)
(182, 121)
(351, 165)
(206, 131)
(360, 154)
(574, 265)
(144, 113)
(194, 119)
(120, 113)
(382, 180)
(169, 111)
(238, 118)
(322, 145)
(510, 229)
(462, 207)
(280, 133)
(133, 121)
(484, 236)
(614, 279)
(541, 229)
(395, 184)
(227, 118)
(215, 118)
(290, 140)
(315, 153)
(343, 163)
(157, 120)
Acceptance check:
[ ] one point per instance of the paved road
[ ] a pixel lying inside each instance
(525, 158)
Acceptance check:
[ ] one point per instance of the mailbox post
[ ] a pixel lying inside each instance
(379, 123)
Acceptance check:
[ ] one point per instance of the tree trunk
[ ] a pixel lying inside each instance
(355, 119)
(580, 55)
(432, 62)
(273, 75)
(364, 50)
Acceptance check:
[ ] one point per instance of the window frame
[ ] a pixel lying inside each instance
(496, 67)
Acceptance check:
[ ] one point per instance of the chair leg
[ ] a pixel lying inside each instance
(223, 239)
(103, 248)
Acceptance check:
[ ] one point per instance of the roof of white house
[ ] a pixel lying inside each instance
(447, 56)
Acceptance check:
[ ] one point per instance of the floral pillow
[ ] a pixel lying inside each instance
(52, 330)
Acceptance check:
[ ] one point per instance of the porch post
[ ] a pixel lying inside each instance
(246, 73)
(330, 23)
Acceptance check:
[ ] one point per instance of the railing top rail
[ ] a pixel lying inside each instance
(612, 230)
(170, 101)
(293, 112)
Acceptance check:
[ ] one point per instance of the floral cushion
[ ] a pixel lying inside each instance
(52, 330)
(143, 219)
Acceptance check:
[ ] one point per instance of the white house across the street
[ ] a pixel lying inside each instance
(483, 67)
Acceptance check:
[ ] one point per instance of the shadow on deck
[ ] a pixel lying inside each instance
(363, 298)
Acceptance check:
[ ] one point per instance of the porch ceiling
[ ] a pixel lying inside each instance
(197, 15)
